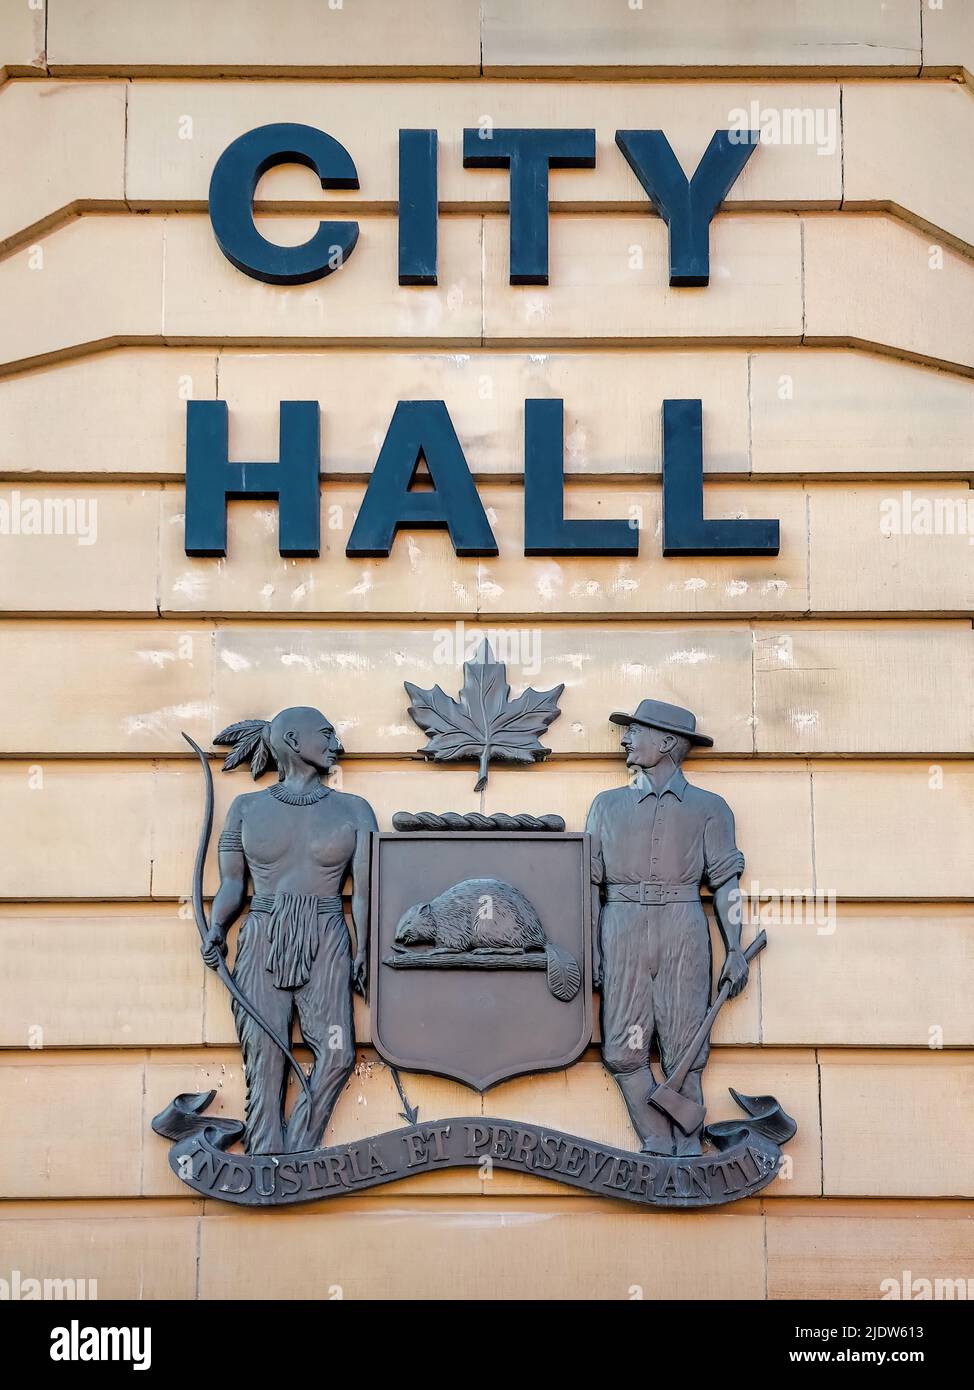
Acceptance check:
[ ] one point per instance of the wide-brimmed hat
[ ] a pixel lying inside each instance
(656, 714)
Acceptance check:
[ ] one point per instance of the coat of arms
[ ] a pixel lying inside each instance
(479, 940)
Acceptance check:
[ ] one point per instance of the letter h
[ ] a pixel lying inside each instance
(211, 479)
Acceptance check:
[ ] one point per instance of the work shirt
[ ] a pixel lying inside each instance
(685, 836)
(650, 854)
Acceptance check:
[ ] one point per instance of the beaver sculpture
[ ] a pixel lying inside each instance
(486, 918)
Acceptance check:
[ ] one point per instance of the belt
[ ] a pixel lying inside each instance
(651, 894)
(327, 907)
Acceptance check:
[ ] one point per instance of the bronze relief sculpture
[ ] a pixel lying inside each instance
(483, 724)
(654, 842)
(485, 936)
(296, 842)
(482, 924)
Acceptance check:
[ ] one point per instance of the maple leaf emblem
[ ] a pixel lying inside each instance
(484, 722)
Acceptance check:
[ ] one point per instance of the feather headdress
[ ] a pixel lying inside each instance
(249, 739)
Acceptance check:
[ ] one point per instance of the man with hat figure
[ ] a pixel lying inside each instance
(654, 842)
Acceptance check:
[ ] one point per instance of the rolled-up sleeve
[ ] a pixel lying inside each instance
(594, 826)
(722, 859)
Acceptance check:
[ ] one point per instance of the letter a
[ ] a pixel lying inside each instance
(421, 430)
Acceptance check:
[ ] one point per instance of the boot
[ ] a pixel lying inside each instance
(654, 1129)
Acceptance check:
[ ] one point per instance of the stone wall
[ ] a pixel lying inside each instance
(834, 355)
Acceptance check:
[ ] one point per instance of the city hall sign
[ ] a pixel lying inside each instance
(421, 431)
(478, 939)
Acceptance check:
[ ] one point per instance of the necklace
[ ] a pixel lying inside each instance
(280, 793)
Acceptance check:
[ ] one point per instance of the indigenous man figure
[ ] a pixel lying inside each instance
(296, 841)
(654, 842)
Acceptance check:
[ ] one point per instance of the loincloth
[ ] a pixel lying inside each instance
(293, 933)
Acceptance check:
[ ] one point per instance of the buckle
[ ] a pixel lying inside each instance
(650, 894)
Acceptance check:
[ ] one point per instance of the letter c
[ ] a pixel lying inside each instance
(236, 175)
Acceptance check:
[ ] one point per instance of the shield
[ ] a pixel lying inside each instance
(481, 958)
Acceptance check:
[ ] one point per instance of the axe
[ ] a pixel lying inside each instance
(666, 1097)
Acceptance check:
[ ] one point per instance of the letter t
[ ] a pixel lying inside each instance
(529, 154)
